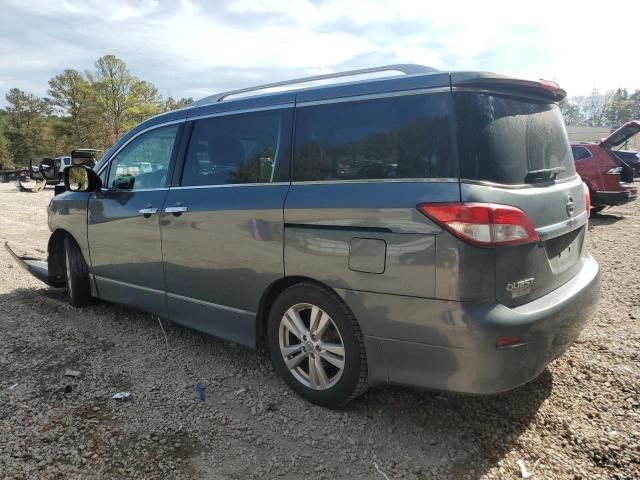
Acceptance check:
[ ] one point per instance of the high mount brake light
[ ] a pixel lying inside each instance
(483, 224)
(548, 84)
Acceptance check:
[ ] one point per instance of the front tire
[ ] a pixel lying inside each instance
(316, 345)
(76, 275)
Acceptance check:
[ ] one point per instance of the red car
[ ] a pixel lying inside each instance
(609, 178)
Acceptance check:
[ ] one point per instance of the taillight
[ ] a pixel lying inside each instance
(483, 224)
(587, 197)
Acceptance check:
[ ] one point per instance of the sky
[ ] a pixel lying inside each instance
(193, 48)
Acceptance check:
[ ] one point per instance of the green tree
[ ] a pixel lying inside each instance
(594, 108)
(111, 84)
(71, 94)
(6, 159)
(144, 102)
(172, 104)
(570, 112)
(634, 110)
(26, 128)
(119, 100)
(617, 108)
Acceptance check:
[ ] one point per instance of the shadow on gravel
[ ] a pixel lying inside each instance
(603, 219)
(470, 434)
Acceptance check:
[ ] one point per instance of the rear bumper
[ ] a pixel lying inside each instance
(461, 355)
(615, 197)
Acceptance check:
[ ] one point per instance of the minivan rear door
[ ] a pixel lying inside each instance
(514, 150)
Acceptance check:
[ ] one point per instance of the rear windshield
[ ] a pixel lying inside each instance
(503, 139)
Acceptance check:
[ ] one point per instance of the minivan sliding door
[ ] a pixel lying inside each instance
(222, 227)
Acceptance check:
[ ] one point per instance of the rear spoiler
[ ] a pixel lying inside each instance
(493, 81)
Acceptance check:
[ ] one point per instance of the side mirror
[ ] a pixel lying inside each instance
(78, 178)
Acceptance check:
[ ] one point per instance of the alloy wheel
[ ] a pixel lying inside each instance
(311, 346)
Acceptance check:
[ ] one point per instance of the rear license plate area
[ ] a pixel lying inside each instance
(564, 251)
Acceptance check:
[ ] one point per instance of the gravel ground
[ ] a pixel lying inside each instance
(579, 419)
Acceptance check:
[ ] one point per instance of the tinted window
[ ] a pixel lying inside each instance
(580, 153)
(238, 148)
(503, 139)
(144, 162)
(398, 137)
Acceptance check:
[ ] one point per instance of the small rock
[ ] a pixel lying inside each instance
(71, 373)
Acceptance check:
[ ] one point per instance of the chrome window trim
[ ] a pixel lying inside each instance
(377, 180)
(373, 96)
(105, 190)
(227, 185)
(517, 186)
(210, 304)
(244, 110)
(151, 127)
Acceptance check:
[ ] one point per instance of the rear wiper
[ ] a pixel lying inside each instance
(545, 174)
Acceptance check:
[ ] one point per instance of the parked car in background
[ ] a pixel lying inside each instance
(631, 158)
(61, 164)
(354, 228)
(608, 177)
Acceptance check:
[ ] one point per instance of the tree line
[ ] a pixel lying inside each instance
(90, 109)
(611, 109)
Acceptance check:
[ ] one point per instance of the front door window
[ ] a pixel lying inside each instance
(144, 162)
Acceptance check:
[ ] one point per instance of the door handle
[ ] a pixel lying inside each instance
(148, 211)
(176, 209)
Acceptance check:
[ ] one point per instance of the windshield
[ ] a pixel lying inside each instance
(504, 139)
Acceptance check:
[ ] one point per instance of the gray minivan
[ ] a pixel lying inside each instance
(425, 229)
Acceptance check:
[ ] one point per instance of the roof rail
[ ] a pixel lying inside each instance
(406, 68)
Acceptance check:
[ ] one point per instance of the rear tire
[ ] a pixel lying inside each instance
(316, 345)
(76, 275)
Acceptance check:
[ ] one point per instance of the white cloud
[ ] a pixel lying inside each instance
(193, 47)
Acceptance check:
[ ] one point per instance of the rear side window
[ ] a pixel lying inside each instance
(580, 153)
(398, 137)
(504, 139)
(235, 148)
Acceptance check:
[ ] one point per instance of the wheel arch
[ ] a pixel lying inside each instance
(269, 296)
(55, 251)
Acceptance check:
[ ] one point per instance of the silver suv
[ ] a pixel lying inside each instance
(425, 229)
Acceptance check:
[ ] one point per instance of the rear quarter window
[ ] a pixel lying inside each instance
(502, 139)
(387, 138)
